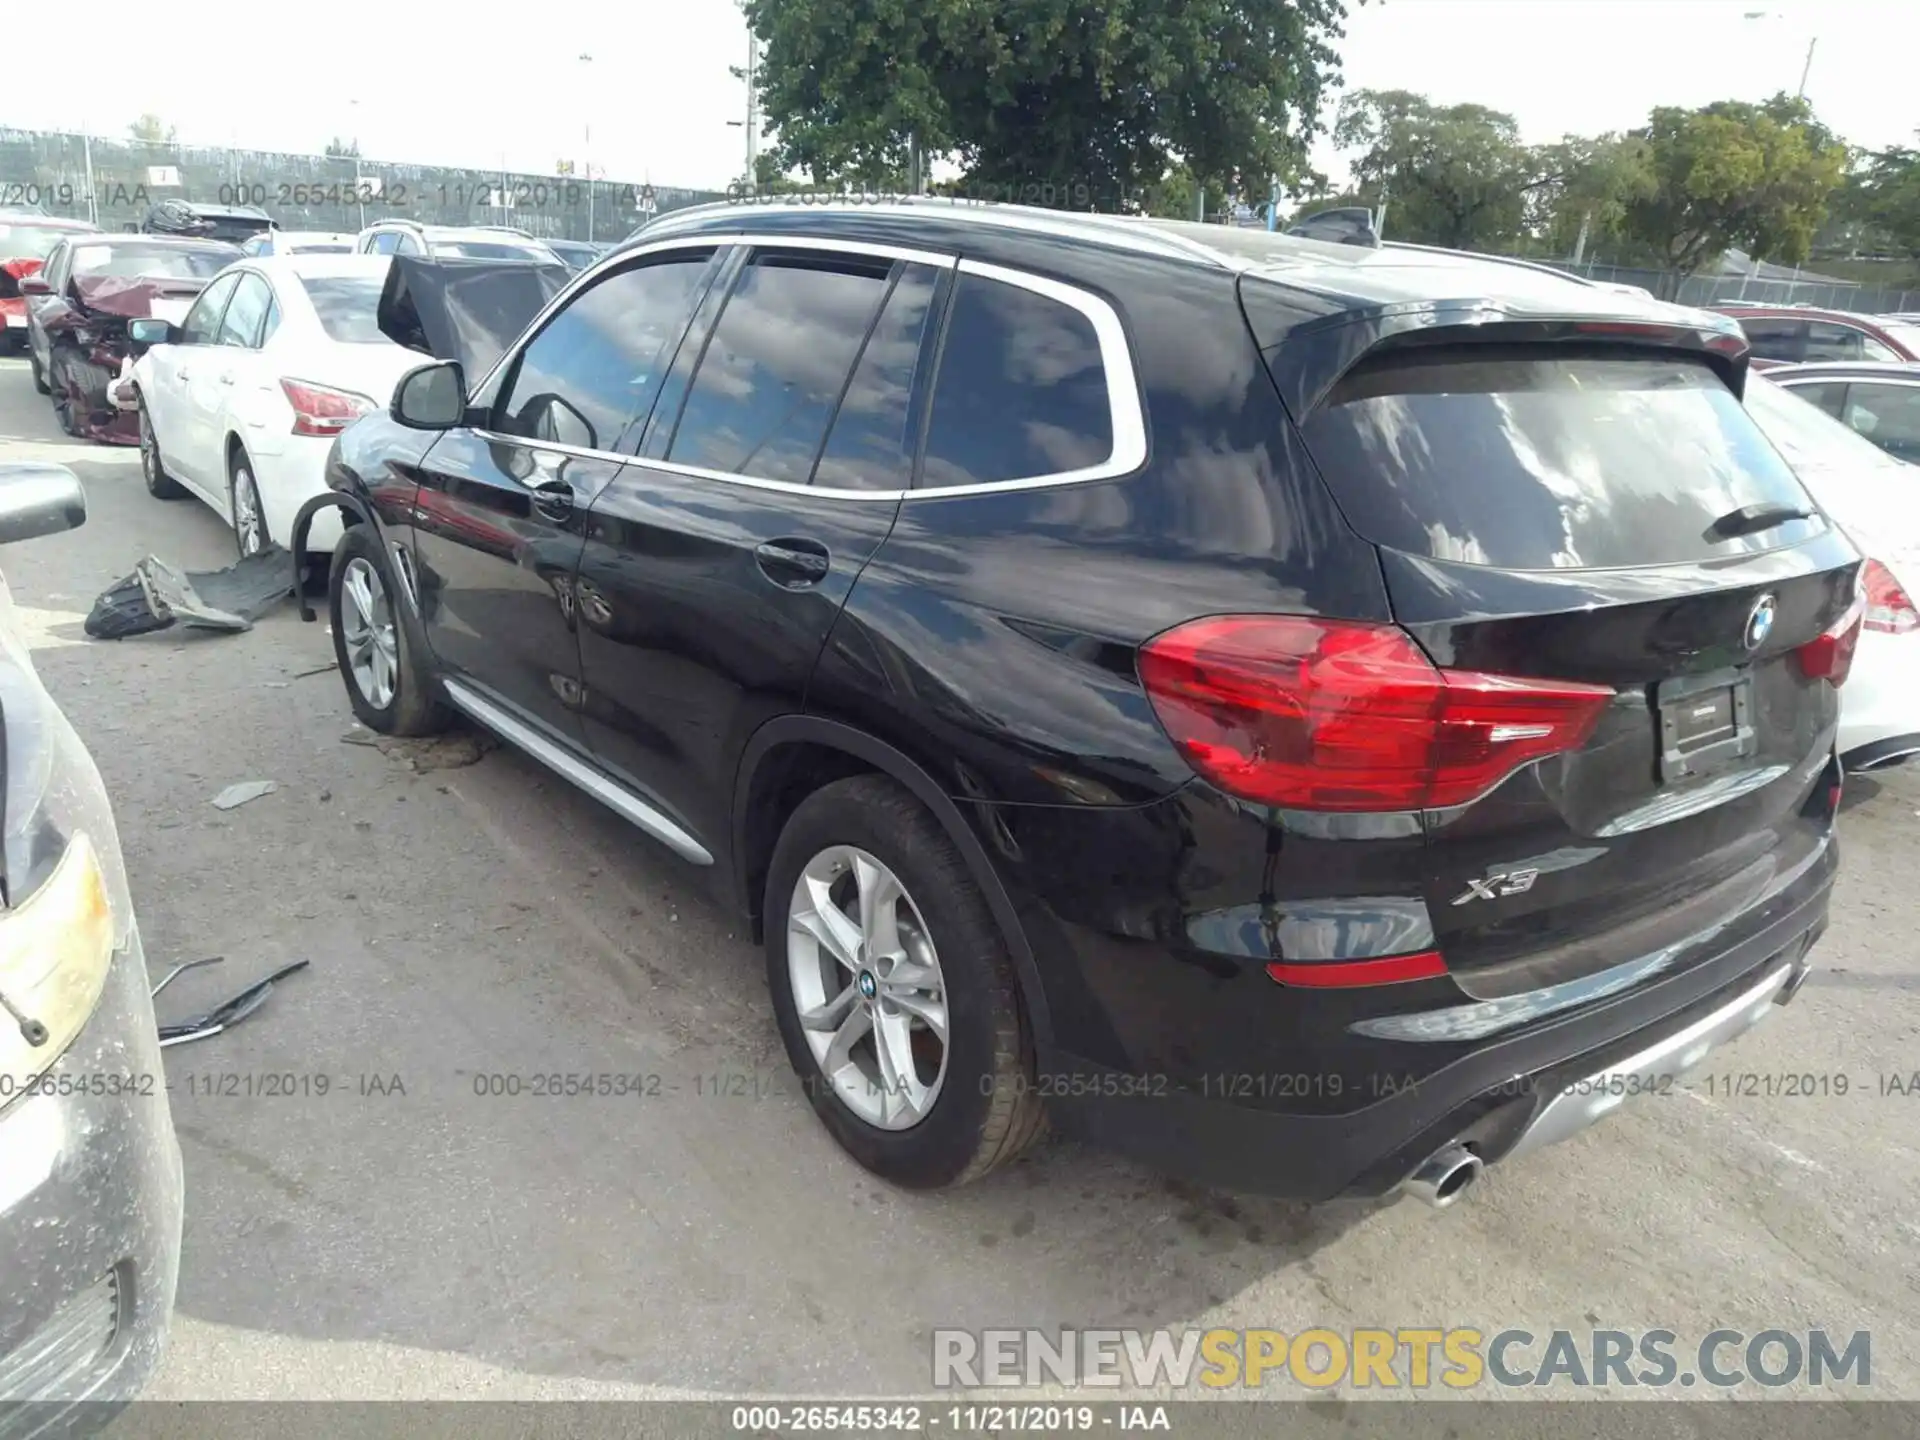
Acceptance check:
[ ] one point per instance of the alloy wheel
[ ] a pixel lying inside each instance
(868, 988)
(367, 626)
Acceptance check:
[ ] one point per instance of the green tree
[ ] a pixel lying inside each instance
(1098, 102)
(1884, 198)
(1730, 174)
(1583, 187)
(1454, 175)
(343, 149)
(150, 129)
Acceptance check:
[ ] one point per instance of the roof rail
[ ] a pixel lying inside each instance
(1536, 265)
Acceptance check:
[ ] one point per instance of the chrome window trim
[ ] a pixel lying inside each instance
(1126, 410)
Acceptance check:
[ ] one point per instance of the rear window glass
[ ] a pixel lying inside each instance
(169, 262)
(32, 242)
(348, 306)
(486, 250)
(1523, 461)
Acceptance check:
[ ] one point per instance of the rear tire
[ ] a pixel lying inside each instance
(153, 469)
(937, 949)
(250, 533)
(389, 686)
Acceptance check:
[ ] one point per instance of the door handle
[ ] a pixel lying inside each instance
(554, 499)
(225, 379)
(793, 564)
(180, 374)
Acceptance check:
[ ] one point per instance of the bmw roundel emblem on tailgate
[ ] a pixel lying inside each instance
(1760, 622)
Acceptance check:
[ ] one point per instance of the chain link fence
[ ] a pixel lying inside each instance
(1822, 291)
(112, 182)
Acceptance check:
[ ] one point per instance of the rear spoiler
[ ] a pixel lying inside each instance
(1309, 345)
(465, 310)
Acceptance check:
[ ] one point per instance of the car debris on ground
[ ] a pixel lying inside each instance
(155, 596)
(235, 796)
(225, 1015)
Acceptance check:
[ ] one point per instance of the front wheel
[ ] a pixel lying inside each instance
(893, 989)
(390, 689)
(33, 368)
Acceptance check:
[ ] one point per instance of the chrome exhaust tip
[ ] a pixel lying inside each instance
(1444, 1176)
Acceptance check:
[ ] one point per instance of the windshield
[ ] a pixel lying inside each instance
(33, 242)
(488, 250)
(171, 262)
(348, 306)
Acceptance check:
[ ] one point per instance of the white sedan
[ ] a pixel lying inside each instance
(1873, 498)
(241, 404)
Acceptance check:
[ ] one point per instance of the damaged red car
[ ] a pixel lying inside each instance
(78, 307)
(26, 239)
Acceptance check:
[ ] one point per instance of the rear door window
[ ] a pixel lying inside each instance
(1526, 460)
(1830, 396)
(246, 312)
(1888, 415)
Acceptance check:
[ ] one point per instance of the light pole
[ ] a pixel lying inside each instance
(359, 201)
(751, 122)
(1807, 68)
(586, 132)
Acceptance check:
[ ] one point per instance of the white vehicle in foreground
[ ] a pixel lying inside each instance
(1873, 497)
(241, 401)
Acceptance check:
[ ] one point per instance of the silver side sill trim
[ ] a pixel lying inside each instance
(614, 796)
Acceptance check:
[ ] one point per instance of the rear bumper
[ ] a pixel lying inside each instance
(1880, 703)
(288, 478)
(1533, 1086)
(90, 1213)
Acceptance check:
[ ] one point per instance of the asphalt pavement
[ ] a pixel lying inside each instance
(408, 1234)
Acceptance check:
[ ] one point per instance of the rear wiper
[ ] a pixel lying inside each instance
(1751, 519)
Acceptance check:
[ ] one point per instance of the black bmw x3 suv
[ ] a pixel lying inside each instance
(1322, 719)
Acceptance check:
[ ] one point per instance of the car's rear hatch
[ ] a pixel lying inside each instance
(1581, 498)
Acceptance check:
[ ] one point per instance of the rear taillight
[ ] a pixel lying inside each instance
(1337, 715)
(1829, 656)
(1889, 608)
(323, 410)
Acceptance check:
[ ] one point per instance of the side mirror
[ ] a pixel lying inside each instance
(38, 499)
(151, 331)
(35, 285)
(434, 397)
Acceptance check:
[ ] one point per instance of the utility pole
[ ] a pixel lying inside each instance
(753, 108)
(1806, 69)
(586, 130)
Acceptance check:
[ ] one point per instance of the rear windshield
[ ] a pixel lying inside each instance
(348, 306)
(171, 262)
(32, 242)
(1569, 461)
(487, 250)
(319, 247)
